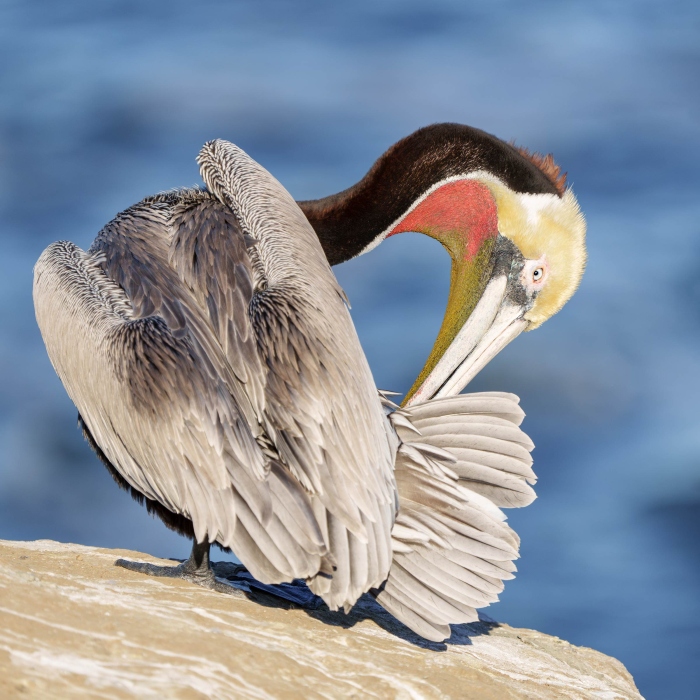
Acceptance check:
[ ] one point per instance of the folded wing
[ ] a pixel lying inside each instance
(209, 350)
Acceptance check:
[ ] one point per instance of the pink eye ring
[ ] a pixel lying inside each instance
(534, 274)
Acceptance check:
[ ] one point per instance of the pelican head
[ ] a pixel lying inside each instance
(513, 229)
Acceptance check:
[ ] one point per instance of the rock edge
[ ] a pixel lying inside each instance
(74, 625)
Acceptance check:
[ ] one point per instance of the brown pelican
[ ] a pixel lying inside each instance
(211, 355)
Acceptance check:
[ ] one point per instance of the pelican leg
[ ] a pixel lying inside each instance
(197, 569)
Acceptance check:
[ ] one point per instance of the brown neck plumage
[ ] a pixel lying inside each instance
(349, 221)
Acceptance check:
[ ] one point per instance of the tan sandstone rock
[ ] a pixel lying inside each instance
(74, 625)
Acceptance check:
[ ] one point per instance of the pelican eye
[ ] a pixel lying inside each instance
(534, 274)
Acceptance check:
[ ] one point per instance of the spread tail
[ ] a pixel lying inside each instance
(460, 460)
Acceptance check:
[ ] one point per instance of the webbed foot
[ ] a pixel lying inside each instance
(232, 579)
(197, 569)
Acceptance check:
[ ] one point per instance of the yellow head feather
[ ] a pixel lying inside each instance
(549, 226)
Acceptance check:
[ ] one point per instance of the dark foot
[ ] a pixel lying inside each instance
(195, 570)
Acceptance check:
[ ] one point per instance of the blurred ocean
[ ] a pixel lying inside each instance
(104, 103)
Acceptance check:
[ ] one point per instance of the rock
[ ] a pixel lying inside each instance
(74, 625)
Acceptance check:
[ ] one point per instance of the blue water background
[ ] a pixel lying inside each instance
(102, 103)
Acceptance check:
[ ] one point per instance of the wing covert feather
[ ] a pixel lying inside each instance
(163, 405)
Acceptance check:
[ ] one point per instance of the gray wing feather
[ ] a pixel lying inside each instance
(165, 406)
(146, 399)
(232, 385)
(210, 255)
(322, 413)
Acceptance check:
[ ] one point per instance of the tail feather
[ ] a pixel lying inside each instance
(489, 403)
(441, 605)
(461, 459)
(402, 609)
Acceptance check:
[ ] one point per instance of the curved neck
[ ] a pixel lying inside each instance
(353, 221)
(461, 214)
